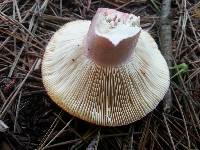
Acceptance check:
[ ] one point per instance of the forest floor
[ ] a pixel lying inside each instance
(30, 120)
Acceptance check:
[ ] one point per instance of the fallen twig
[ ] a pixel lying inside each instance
(166, 45)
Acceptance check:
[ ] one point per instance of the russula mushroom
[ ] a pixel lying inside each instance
(107, 71)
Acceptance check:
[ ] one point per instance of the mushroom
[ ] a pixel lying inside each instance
(107, 71)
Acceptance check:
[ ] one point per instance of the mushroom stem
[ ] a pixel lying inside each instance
(112, 37)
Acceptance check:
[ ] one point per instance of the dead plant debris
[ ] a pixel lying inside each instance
(33, 121)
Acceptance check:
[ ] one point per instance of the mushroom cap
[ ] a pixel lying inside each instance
(108, 96)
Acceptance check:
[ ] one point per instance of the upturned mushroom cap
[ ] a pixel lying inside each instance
(98, 90)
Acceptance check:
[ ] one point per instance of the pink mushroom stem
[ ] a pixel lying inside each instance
(112, 37)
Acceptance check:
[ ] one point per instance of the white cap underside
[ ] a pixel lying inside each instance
(81, 88)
